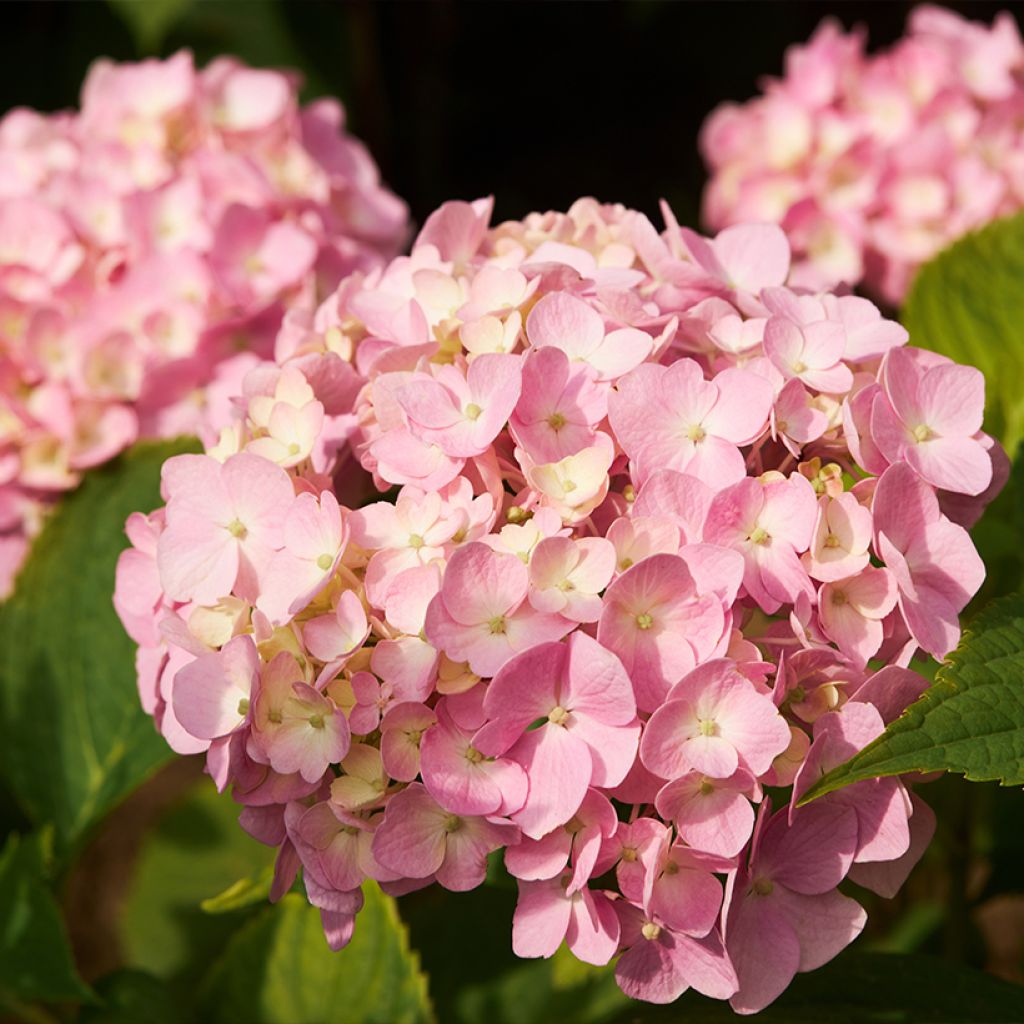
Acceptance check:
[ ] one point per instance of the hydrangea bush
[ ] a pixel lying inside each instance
(875, 162)
(657, 536)
(147, 238)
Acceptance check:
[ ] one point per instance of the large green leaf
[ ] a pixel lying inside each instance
(35, 958)
(196, 851)
(278, 969)
(968, 303)
(865, 988)
(970, 721)
(75, 738)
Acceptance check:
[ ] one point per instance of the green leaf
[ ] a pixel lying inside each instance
(244, 893)
(149, 21)
(127, 996)
(75, 738)
(196, 850)
(278, 969)
(970, 721)
(35, 957)
(968, 304)
(865, 988)
(560, 989)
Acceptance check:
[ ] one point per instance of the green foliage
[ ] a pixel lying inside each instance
(35, 958)
(278, 969)
(971, 721)
(560, 989)
(197, 850)
(149, 21)
(246, 892)
(76, 740)
(968, 304)
(128, 997)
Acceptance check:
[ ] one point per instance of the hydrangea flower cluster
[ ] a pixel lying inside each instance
(660, 532)
(150, 236)
(874, 162)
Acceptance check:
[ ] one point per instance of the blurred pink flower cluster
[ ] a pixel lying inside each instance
(874, 162)
(149, 236)
(659, 531)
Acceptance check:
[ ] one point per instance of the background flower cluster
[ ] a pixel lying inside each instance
(873, 162)
(148, 237)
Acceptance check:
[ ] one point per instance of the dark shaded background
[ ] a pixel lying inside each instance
(537, 102)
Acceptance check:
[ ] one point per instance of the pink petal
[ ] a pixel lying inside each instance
(764, 950)
(558, 766)
(411, 838)
(541, 918)
(824, 925)
(593, 931)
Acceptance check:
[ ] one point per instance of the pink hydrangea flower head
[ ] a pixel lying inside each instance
(658, 507)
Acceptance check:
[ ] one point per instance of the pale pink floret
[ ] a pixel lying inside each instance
(583, 698)
(713, 815)
(575, 485)
(314, 539)
(287, 422)
(568, 323)
(299, 729)
(334, 845)
(567, 577)
(363, 786)
(559, 408)
(796, 419)
(224, 523)
(714, 722)
(659, 625)
(842, 536)
(481, 614)
(784, 913)
(459, 414)
(401, 733)
(409, 533)
(672, 418)
(577, 843)
(745, 258)
(420, 839)
(658, 964)
(547, 914)
(460, 778)
(936, 567)
(332, 638)
(213, 695)
(851, 611)
(929, 416)
(641, 536)
(771, 524)
(811, 353)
